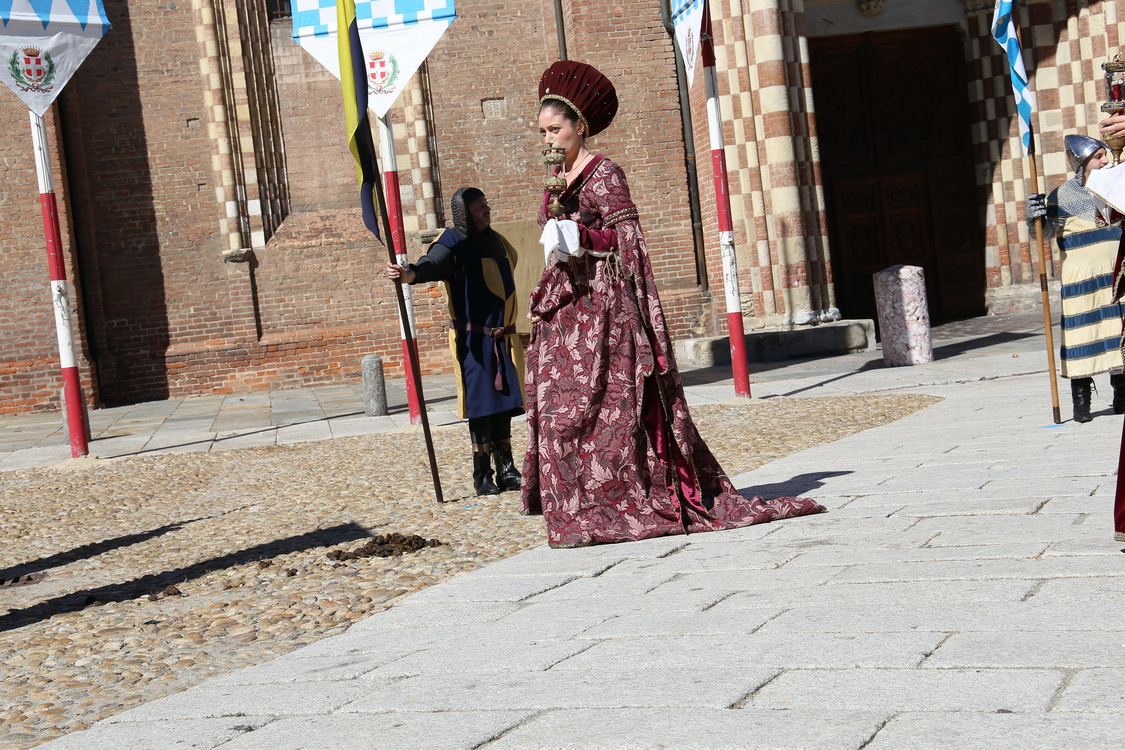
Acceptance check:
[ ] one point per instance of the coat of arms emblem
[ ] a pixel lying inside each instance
(32, 69)
(382, 72)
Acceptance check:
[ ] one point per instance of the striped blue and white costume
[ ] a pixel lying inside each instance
(1091, 320)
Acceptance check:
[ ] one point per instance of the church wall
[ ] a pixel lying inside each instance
(187, 287)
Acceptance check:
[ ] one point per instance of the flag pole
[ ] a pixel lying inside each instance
(74, 403)
(1047, 324)
(1003, 19)
(389, 183)
(735, 328)
(353, 83)
(415, 373)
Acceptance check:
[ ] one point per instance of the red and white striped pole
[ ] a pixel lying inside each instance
(722, 205)
(398, 240)
(74, 404)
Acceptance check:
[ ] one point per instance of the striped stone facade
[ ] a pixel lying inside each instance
(770, 138)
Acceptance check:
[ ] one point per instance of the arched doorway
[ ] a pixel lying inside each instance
(896, 153)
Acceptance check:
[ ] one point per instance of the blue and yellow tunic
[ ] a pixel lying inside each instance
(480, 291)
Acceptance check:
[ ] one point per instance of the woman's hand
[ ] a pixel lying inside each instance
(533, 318)
(1113, 125)
(395, 271)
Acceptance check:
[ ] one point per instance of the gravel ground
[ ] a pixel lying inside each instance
(165, 571)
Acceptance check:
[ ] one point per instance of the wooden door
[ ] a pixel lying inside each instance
(897, 160)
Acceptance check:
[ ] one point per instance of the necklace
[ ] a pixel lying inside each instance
(577, 167)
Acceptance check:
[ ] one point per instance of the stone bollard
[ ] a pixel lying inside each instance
(374, 387)
(904, 318)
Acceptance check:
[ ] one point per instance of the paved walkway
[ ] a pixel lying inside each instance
(963, 591)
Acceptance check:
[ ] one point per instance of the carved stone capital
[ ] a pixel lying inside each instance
(241, 255)
(871, 7)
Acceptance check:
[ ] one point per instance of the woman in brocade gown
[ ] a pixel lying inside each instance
(613, 454)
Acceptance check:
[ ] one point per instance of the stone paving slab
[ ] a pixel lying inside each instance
(165, 734)
(531, 613)
(612, 584)
(1041, 568)
(726, 582)
(1074, 649)
(835, 558)
(602, 687)
(1066, 591)
(988, 529)
(981, 616)
(898, 690)
(1095, 691)
(693, 729)
(709, 622)
(983, 731)
(936, 593)
(697, 559)
(1100, 502)
(310, 669)
(782, 650)
(460, 730)
(215, 701)
(482, 658)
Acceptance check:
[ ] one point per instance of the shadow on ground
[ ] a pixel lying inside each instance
(155, 582)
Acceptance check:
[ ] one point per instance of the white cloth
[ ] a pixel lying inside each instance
(1108, 187)
(560, 240)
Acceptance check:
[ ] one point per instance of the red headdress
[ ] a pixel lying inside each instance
(582, 88)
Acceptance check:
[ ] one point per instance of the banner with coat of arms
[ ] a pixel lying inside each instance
(396, 36)
(42, 43)
(687, 18)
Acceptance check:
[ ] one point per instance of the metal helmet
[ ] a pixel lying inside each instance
(1079, 148)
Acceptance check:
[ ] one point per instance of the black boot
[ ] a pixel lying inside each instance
(507, 474)
(1080, 395)
(482, 475)
(1118, 383)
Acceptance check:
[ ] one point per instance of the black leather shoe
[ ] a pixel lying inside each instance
(482, 475)
(1080, 395)
(507, 475)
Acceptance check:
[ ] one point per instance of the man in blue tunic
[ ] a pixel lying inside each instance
(474, 264)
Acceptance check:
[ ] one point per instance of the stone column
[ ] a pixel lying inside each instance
(904, 316)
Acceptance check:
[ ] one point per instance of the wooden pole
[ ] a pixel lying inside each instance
(1047, 325)
(413, 371)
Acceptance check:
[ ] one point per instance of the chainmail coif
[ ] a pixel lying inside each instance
(459, 207)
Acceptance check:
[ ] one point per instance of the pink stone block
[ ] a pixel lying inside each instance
(904, 317)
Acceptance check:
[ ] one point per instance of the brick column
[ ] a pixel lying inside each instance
(762, 57)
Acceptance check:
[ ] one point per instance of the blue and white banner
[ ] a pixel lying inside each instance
(42, 43)
(687, 17)
(1004, 32)
(396, 36)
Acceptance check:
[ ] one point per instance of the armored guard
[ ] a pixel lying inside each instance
(1087, 232)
